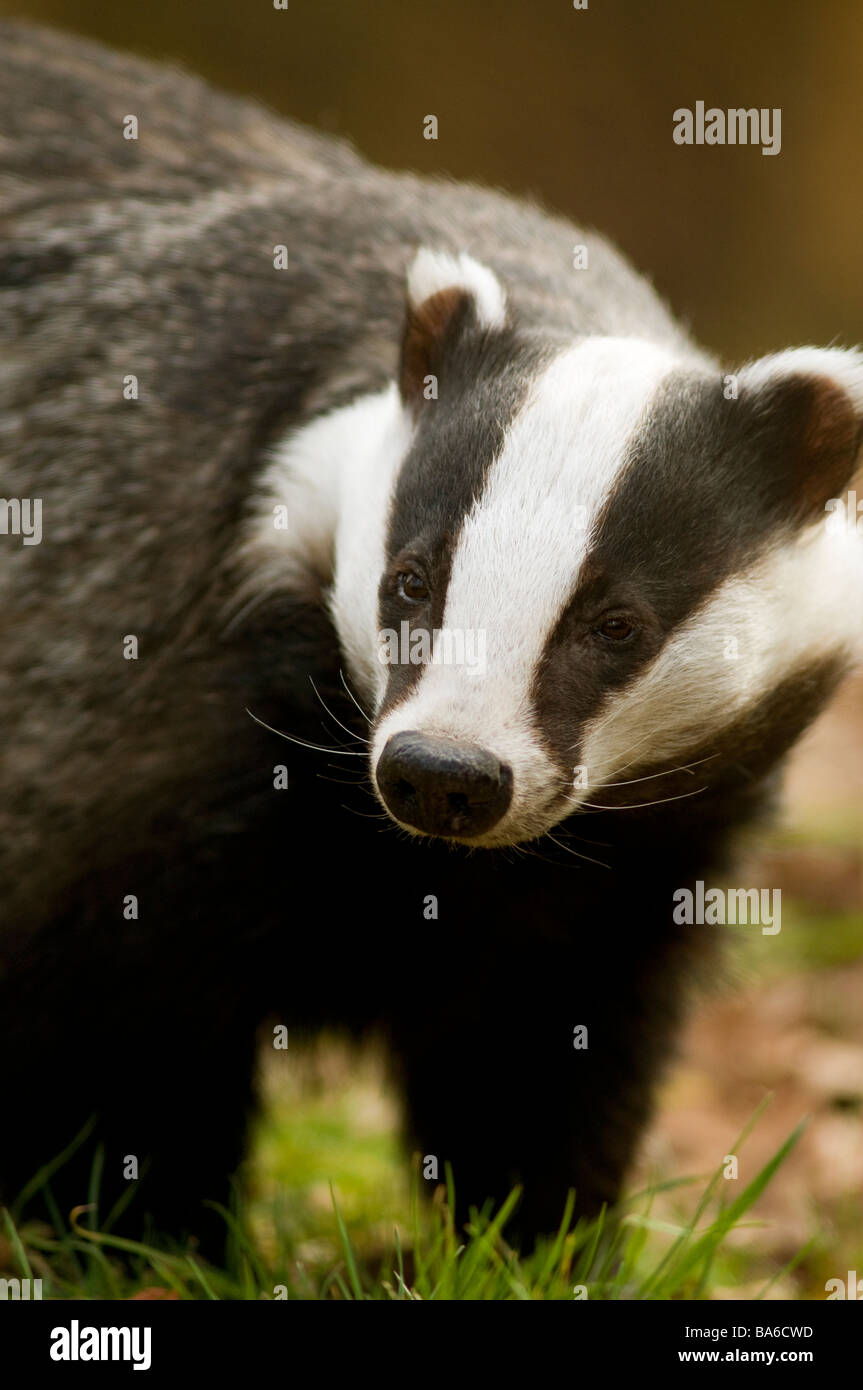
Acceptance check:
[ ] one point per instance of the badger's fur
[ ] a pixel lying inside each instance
(470, 436)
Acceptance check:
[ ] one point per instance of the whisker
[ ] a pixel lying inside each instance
(637, 744)
(315, 747)
(368, 815)
(354, 698)
(642, 805)
(666, 772)
(530, 853)
(634, 746)
(567, 850)
(349, 732)
(583, 839)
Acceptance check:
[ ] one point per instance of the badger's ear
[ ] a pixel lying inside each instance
(809, 405)
(446, 296)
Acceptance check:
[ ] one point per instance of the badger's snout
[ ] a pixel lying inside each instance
(441, 786)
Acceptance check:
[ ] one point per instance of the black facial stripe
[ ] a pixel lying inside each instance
(702, 493)
(699, 498)
(483, 381)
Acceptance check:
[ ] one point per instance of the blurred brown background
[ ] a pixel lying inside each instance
(576, 107)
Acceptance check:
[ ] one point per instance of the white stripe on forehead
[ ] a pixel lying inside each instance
(520, 549)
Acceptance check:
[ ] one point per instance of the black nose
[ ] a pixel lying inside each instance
(443, 787)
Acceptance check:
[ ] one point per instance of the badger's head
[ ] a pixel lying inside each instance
(589, 573)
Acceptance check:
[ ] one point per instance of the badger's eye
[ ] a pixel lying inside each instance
(616, 629)
(412, 586)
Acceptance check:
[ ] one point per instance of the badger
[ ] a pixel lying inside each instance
(414, 610)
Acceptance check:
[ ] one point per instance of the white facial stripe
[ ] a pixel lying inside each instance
(800, 603)
(336, 477)
(520, 550)
(374, 449)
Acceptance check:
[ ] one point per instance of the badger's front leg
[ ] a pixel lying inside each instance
(537, 1063)
(141, 1071)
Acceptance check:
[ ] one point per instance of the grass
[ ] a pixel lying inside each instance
(632, 1254)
